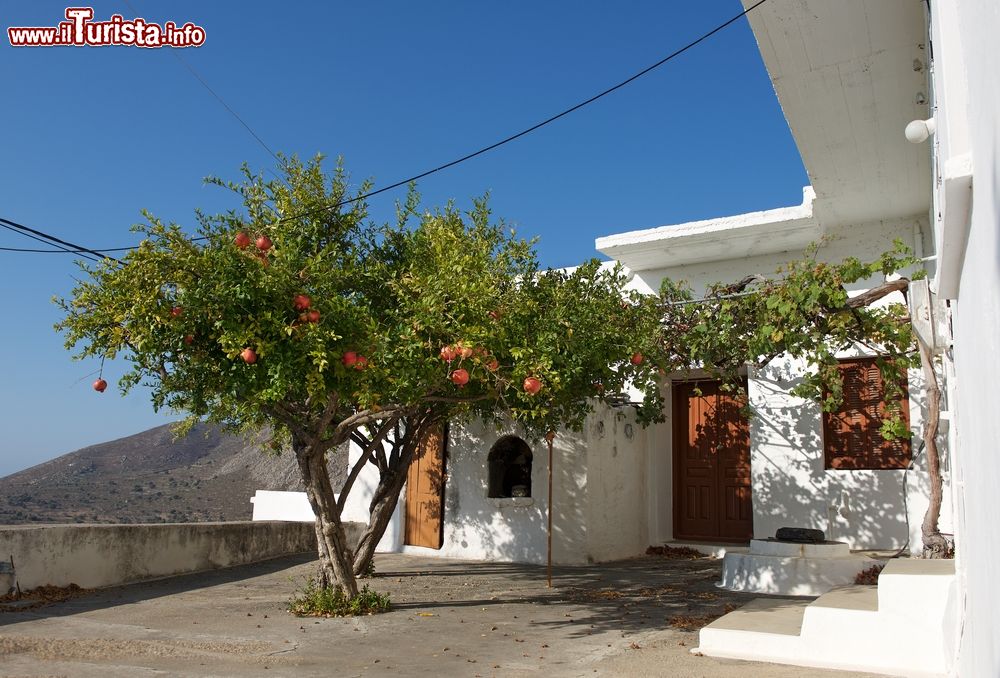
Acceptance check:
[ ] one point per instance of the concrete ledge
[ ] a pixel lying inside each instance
(791, 576)
(94, 556)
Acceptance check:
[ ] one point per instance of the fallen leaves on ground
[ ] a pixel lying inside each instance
(675, 552)
(694, 622)
(869, 576)
(601, 594)
(42, 595)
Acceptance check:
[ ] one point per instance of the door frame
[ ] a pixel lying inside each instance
(679, 428)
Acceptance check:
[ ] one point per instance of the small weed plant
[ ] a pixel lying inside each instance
(370, 570)
(316, 601)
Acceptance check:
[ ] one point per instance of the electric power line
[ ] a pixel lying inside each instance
(534, 127)
(51, 239)
(62, 251)
(80, 250)
(197, 76)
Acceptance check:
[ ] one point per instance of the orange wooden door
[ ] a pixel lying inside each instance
(711, 465)
(424, 521)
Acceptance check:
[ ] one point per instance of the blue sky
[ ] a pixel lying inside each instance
(93, 135)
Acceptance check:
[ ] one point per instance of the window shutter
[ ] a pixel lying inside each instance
(851, 434)
(890, 453)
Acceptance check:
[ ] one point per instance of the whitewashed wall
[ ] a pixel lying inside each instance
(791, 487)
(971, 36)
(789, 484)
(613, 481)
(356, 508)
(600, 497)
(618, 494)
(478, 527)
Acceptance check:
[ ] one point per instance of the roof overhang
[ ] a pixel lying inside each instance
(743, 235)
(849, 75)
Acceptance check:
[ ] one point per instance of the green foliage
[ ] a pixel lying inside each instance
(802, 311)
(313, 600)
(395, 294)
(369, 570)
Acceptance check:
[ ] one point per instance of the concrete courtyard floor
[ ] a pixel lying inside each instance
(449, 618)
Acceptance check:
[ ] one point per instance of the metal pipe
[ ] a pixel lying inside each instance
(549, 437)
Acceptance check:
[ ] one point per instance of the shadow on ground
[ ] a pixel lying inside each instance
(98, 599)
(630, 595)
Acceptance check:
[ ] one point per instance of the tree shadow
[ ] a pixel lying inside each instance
(868, 509)
(636, 595)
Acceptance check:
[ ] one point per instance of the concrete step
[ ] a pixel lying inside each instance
(911, 586)
(851, 597)
(765, 615)
(762, 629)
(898, 627)
(790, 575)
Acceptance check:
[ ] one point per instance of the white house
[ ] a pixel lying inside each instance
(619, 488)
(845, 72)
(851, 76)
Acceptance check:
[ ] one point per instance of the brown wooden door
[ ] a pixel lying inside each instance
(711, 464)
(424, 521)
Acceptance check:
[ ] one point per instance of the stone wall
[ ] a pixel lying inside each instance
(94, 556)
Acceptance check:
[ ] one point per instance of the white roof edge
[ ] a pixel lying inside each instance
(608, 244)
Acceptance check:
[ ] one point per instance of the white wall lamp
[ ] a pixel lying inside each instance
(917, 131)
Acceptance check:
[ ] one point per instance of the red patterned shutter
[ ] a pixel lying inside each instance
(851, 434)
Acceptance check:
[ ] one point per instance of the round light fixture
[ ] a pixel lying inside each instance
(917, 131)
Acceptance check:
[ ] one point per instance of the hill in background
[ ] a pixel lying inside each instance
(152, 478)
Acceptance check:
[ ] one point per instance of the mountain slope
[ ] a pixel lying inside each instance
(149, 477)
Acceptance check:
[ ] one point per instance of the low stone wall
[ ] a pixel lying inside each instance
(93, 556)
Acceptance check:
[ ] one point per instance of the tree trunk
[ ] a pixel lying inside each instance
(935, 545)
(386, 494)
(335, 554)
(382, 507)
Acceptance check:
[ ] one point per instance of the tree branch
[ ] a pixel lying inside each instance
(366, 454)
(366, 444)
(456, 399)
(324, 419)
(281, 413)
(874, 294)
(344, 428)
(160, 367)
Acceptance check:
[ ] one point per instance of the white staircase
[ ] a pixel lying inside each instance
(791, 569)
(903, 627)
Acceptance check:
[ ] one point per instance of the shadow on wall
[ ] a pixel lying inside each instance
(513, 529)
(791, 486)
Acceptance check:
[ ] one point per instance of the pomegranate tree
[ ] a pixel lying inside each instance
(440, 317)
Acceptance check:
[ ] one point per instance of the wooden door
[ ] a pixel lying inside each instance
(424, 520)
(711, 465)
